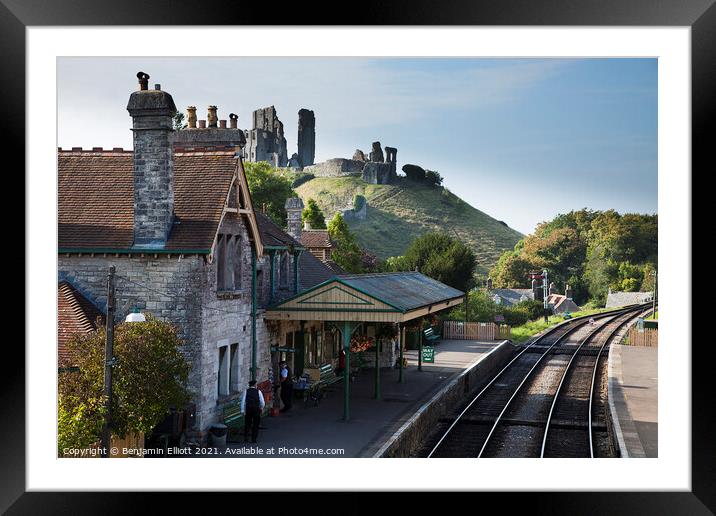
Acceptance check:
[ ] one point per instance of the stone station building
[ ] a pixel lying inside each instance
(177, 222)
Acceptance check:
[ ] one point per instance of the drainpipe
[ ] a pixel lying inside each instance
(272, 254)
(253, 312)
(296, 257)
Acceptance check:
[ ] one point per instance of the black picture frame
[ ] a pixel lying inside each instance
(700, 15)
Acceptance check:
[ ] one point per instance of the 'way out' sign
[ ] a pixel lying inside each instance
(428, 354)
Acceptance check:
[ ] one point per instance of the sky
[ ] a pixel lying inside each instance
(519, 139)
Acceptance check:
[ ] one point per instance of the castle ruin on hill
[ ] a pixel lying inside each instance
(265, 141)
(378, 168)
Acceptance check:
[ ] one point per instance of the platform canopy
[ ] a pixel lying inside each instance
(381, 297)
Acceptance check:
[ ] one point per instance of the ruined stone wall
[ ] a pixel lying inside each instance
(378, 173)
(266, 141)
(336, 167)
(306, 137)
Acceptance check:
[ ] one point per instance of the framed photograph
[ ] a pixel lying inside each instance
(401, 248)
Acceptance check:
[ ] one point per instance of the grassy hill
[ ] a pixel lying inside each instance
(398, 213)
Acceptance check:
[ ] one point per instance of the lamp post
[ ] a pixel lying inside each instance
(108, 362)
(545, 295)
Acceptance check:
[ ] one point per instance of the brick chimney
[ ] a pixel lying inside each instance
(552, 289)
(152, 114)
(294, 209)
(568, 291)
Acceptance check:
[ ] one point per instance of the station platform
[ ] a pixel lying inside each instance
(633, 399)
(309, 431)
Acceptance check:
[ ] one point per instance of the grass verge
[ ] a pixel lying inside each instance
(520, 334)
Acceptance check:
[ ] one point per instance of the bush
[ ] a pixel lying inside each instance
(533, 308)
(148, 379)
(358, 202)
(516, 316)
(432, 178)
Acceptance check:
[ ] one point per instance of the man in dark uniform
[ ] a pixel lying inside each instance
(286, 387)
(252, 403)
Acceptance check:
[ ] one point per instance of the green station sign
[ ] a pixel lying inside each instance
(428, 354)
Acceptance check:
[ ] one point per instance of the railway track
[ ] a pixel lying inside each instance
(508, 416)
(575, 422)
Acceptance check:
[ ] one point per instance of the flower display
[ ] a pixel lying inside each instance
(361, 343)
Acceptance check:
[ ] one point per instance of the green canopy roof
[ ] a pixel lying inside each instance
(404, 290)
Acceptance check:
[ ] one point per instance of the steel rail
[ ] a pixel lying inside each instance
(494, 379)
(582, 320)
(519, 387)
(584, 342)
(614, 313)
(594, 374)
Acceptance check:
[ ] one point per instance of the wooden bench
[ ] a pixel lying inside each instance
(233, 418)
(430, 336)
(326, 378)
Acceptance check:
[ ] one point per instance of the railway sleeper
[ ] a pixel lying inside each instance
(486, 420)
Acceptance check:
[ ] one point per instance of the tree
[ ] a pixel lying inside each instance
(179, 123)
(440, 257)
(313, 215)
(347, 254)
(432, 178)
(592, 251)
(149, 378)
(269, 190)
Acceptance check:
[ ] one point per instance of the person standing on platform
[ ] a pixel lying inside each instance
(286, 387)
(252, 403)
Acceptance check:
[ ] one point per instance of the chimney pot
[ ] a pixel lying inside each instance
(222, 124)
(191, 117)
(143, 80)
(202, 124)
(233, 117)
(158, 87)
(211, 116)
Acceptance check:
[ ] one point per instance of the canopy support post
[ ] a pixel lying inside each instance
(420, 346)
(377, 369)
(401, 340)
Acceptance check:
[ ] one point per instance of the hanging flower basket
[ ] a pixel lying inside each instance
(361, 343)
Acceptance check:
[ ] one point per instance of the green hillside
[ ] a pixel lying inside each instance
(398, 213)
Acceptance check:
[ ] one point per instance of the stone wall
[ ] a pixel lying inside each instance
(306, 137)
(265, 141)
(378, 173)
(180, 278)
(336, 167)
